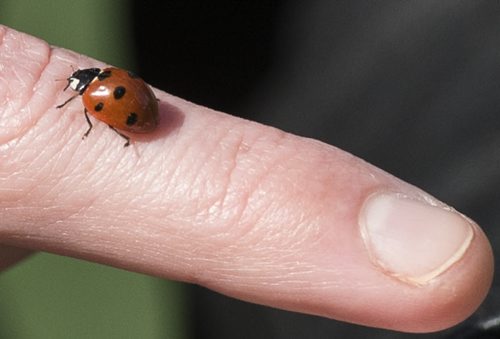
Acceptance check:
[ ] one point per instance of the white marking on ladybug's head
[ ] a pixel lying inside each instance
(73, 83)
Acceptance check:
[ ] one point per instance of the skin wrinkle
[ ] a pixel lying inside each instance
(275, 262)
(293, 274)
(121, 167)
(65, 178)
(305, 222)
(25, 107)
(66, 215)
(47, 169)
(20, 193)
(254, 187)
(29, 86)
(277, 213)
(200, 179)
(222, 206)
(246, 226)
(230, 207)
(201, 176)
(175, 172)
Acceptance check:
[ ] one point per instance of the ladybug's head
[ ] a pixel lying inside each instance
(80, 79)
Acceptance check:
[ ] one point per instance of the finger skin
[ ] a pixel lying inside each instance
(241, 208)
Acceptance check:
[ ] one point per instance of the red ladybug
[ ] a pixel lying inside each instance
(116, 97)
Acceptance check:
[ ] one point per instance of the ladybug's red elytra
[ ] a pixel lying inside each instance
(117, 97)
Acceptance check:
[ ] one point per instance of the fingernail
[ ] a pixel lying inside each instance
(411, 239)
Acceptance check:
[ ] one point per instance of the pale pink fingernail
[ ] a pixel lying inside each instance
(412, 239)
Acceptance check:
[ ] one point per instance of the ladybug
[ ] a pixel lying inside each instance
(117, 97)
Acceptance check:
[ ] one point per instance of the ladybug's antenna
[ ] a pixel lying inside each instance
(67, 85)
(67, 79)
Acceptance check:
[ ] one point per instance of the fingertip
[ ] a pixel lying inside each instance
(441, 265)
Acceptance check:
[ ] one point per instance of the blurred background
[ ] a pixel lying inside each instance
(410, 86)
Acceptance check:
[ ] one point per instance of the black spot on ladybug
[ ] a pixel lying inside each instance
(119, 92)
(103, 75)
(132, 75)
(99, 107)
(131, 119)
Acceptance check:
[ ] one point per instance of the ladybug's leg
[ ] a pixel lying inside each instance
(122, 135)
(90, 124)
(64, 103)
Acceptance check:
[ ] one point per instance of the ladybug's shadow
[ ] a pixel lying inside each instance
(171, 118)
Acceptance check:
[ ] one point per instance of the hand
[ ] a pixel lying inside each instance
(241, 208)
